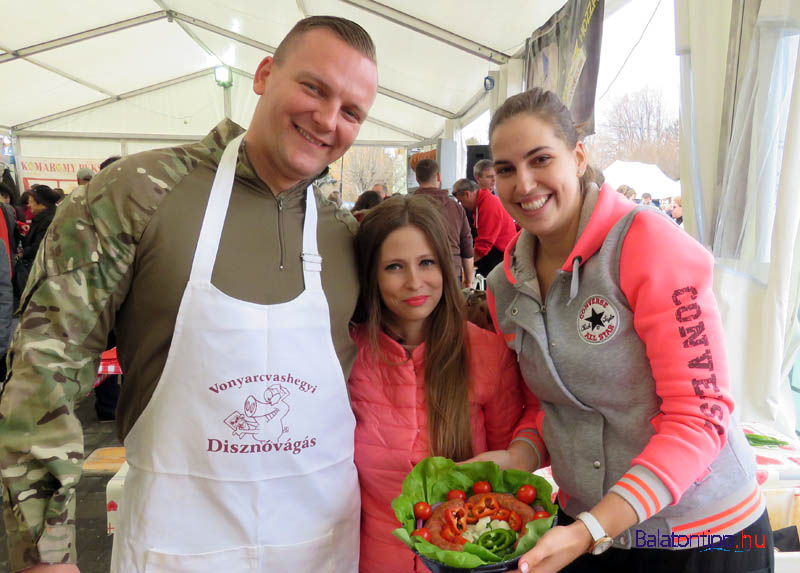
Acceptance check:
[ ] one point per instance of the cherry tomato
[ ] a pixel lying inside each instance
(422, 510)
(526, 494)
(423, 533)
(457, 494)
(482, 487)
(541, 515)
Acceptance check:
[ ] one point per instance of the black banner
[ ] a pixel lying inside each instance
(564, 57)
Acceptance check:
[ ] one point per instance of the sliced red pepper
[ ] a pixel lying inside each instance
(502, 514)
(449, 535)
(456, 518)
(486, 506)
(515, 521)
(471, 517)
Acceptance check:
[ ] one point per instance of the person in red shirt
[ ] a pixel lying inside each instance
(493, 225)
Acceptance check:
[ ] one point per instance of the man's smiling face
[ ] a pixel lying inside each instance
(311, 107)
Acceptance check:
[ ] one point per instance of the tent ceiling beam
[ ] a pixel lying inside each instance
(113, 99)
(221, 31)
(428, 29)
(109, 136)
(416, 103)
(189, 32)
(70, 77)
(301, 5)
(474, 100)
(80, 36)
(380, 123)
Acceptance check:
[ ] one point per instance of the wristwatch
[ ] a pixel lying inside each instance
(601, 539)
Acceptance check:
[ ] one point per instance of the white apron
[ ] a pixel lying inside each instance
(243, 458)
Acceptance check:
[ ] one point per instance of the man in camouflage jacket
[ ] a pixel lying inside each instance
(119, 253)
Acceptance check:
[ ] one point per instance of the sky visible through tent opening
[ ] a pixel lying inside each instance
(652, 63)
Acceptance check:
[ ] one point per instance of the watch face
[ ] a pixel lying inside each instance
(602, 545)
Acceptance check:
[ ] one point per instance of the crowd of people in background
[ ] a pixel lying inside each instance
(23, 226)
(672, 206)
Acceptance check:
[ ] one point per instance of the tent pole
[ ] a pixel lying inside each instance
(226, 99)
(16, 152)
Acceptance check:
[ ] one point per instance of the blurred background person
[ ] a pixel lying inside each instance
(380, 189)
(84, 175)
(42, 204)
(677, 210)
(484, 174)
(494, 227)
(459, 233)
(366, 201)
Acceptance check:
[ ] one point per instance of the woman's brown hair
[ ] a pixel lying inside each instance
(447, 374)
(547, 106)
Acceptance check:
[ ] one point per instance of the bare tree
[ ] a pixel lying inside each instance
(363, 168)
(639, 128)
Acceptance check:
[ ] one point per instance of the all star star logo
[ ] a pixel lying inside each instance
(598, 320)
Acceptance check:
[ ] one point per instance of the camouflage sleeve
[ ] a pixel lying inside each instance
(80, 276)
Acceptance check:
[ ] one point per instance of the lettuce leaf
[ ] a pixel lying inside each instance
(433, 477)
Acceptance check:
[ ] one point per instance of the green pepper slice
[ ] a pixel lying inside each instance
(496, 540)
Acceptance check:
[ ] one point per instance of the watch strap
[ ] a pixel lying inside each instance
(595, 529)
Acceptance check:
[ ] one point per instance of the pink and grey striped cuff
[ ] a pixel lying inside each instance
(534, 440)
(642, 489)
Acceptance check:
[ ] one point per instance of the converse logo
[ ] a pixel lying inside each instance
(598, 320)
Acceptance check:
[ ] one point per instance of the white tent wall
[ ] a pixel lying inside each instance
(741, 180)
(702, 30)
(67, 148)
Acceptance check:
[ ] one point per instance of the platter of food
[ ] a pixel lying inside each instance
(473, 516)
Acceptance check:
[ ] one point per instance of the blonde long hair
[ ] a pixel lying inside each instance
(447, 371)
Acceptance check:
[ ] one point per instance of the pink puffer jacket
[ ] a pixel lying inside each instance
(392, 434)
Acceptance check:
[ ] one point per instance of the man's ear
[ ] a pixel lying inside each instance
(262, 73)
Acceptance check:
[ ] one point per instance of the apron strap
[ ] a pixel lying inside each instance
(312, 261)
(214, 219)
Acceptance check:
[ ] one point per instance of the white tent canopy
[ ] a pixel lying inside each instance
(85, 75)
(643, 177)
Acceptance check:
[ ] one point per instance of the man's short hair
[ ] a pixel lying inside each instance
(464, 185)
(647, 196)
(482, 166)
(426, 170)
(351, 34)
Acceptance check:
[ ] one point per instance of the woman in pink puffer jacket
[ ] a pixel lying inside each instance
(425, 381)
